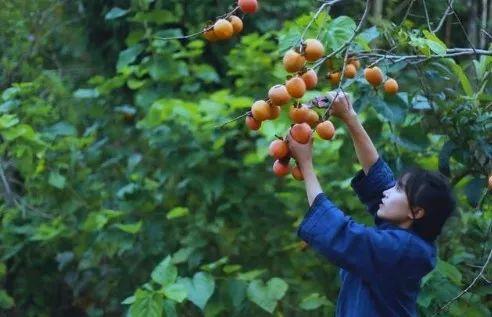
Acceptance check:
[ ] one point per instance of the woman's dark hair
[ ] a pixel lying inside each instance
(432, 192)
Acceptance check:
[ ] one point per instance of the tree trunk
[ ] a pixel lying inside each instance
(377, 9)
(483, 36)
(449, 25)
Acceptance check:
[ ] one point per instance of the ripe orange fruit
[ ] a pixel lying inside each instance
(252, 123)
(314, 50)
(281, 169)
(293, 61)
(279, 95)
(373, 75)
(278, 149)
(210, 35)
(297, 174)
(354, 61)
(223, 29)
(301, 132)
(334, 78)
(325, 130)
(296, 87)
(299, 115)
(260, 110)
(350, 71)
(391, 86)
(248, 6)
(310, 79)
(312, 118)
(237, 24)
(274, 112)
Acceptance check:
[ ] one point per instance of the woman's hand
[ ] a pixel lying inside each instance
(302, 153)
(341, 106)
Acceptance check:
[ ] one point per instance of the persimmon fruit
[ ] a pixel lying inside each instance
(334, 78)
(314, 50)
(299, 114)
(278, 149)
(223, 29)
(251, 123)
(296, 173)
(280, 168)
(293, 61)
(248, 6)
(260, 110)
(310, 79)
(355, 62)
(350, 71)
(391, 86)
(312, 118)
(274, 112)
(296, 87)
(279, 95)
(374, 75)
(237, 24)
(326, 130)
(301, 132)
(209, 34)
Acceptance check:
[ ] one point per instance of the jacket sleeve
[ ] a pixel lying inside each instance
(369, 188)
(364, 251)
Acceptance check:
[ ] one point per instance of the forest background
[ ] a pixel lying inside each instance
(123, 194)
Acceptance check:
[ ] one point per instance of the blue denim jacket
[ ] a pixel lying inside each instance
(381, 266)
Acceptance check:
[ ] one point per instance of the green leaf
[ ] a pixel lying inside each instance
(250, 275)
(444, 157)
(128, 56)
(435, 44)
(200, 288)
(8, 120)
(3, 270)
(473, 190)
(115, 13)
(458, 71)
(449, 270)
(165, 273)
(177, 213)
(147, 304)
(95, 221)
(132, 228)
(267, 296)
(338, 32)
(86, 93)
(57, 180)
(177, 292)
(129, 300)
(61, 129)
(236, 291)
(314, 301)
(6, 302)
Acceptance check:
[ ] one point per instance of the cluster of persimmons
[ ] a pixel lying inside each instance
(302, 78)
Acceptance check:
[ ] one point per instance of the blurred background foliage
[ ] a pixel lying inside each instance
(120, 196)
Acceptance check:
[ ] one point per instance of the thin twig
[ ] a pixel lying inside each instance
(228, 14)
(469, 286)
(232, 120)
(447, 12)
(349, 41)
(427, 15)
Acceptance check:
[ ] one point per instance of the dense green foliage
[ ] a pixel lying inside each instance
(121, 196)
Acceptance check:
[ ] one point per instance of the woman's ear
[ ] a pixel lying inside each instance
(418, 212)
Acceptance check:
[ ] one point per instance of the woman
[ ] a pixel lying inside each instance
(381, 266)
